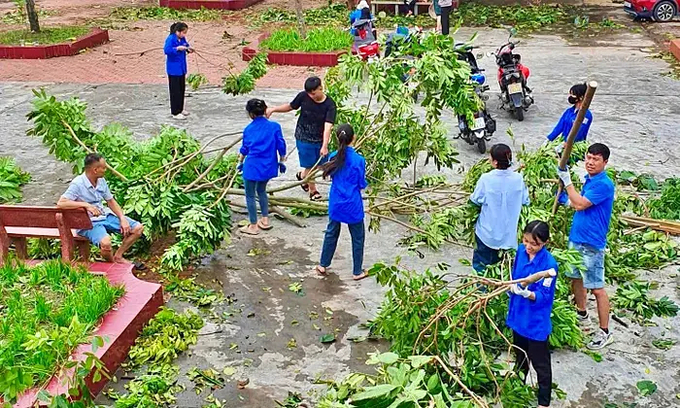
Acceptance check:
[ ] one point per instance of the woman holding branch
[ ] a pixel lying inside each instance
(176, 48)
(262, 140)
(347, 169)
(530, 307)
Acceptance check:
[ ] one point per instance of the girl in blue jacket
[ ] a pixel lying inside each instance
(347, 169)
(530, 307)
(262, 140)
(176, 49)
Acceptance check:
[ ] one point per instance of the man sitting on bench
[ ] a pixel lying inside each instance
(87, 191)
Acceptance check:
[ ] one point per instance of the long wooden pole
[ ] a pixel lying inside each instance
(576, 127)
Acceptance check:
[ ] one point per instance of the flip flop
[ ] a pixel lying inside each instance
(264, 227)
(315, 196)
(320, 272)
(245, 230)
(140, 266)
(363, 275)
(299, 177)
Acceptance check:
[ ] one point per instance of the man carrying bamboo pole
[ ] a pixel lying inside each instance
(588, 235)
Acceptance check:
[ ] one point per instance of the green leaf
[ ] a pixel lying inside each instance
(327, 338)
(374, 393)
(418, 361)
(646, 387)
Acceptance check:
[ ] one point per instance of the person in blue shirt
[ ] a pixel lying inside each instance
(347, 170)
(588, 235)
(563, 127)
(262, 141)
(176, 48)
(530, 307)
(500, 193)
(362, 12)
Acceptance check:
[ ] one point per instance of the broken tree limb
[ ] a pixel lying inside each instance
(87, 149)
(671, 227)
(288, 217)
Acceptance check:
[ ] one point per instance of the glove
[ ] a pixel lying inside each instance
(564, 176)
(545, 142)
(563, 198)
(239, 168)
(559, 148)
(518, 290)
(282, 167)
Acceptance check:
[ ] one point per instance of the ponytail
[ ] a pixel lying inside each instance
(502, 154)
(345, 135)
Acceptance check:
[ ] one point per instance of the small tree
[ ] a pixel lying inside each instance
(32, 16)
(300, 18)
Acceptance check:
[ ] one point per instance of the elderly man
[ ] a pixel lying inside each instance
(88, 191)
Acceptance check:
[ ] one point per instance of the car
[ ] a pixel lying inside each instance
(658, 10)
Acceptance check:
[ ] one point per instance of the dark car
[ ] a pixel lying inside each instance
(658, 10)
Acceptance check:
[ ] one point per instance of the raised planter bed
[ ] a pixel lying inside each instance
(95, 37)
(208, 4)
(675, 49)
(120, 326)
(297, 58)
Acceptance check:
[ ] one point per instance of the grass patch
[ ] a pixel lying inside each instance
(46, 36)
(45, 312)
(318, 40)
(166, 13)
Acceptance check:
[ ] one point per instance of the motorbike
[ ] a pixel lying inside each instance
(365, 43)
(512, 78)
(484, 125)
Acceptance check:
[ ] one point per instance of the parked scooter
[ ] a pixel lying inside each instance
(512, 78)
(484, 125)
(365, 43)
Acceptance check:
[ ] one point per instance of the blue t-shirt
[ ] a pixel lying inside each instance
(531, 318)
(81, 189)
(563, 127)
(262, 140)
(344, 201)
(176, 61)
(590, 226)
(501, 194)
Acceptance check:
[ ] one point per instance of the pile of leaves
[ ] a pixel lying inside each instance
(333, 15)
(667, 205)
(244, 82)
(318, 40)
(165, 13)
(634, 297)
(46, 311)
(11, 180)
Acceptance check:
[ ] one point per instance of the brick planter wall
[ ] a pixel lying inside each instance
(675, 49)
(301, 59)
(121, 325)
(209, 4)
(95, 37)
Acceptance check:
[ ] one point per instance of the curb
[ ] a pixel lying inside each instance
(675, 49)
(95, 37)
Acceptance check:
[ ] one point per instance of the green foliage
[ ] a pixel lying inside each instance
(165, 13)
(634, 297)
(523, 18)
(156, 388)
(11, 180)
(646, 387)
(335, 15)
(46, 36)
(46, 311)
(244, 82)
(318, 40)
(667, 206)
(196, 80)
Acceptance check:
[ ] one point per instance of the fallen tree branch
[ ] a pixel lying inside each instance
(87, 149)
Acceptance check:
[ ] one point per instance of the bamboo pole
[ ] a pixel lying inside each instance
(575, 128)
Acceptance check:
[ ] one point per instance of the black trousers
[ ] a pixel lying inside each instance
(177, 85)
(445, 19)
(538, 354)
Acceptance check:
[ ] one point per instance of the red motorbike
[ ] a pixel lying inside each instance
(512, 79)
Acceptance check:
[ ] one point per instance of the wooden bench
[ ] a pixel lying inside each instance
(397, 4)
(20, 222)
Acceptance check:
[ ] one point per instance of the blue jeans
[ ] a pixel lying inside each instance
(483, 256)
(261, 188)
(330, 243)
(593, 261)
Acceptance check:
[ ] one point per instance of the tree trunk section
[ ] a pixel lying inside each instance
(300, 18)
(32, 16)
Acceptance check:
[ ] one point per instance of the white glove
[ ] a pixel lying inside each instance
(564, 176)
(559, 148)
(545, 142)
(518, 290)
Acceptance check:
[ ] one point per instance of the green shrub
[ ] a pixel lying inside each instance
(318, 40)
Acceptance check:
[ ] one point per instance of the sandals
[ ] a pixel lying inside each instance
(305, 186)
(363, 275)
(315, 196)
(320, 272)
(245, 230)
(261, 226)
(140, 266)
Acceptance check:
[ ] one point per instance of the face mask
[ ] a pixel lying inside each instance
(572, 99)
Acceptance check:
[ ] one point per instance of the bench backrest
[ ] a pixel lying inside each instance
(42, 217)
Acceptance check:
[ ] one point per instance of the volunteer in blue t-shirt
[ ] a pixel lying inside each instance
(530, 307)
(176, 48)
(347, 169)
(261, 159)
(563, 127)
(589, 236)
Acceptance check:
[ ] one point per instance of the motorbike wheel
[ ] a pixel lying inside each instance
(481, 146)
(520, 114)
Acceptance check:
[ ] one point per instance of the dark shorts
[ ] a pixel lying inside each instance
(101, 229)
(308, 153)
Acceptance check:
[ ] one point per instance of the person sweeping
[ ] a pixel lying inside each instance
(530, 307)
(262, 141)
(347, 170)
(176, 48)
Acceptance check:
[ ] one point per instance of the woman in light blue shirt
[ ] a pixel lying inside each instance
(500, 193)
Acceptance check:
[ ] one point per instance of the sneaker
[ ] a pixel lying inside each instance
(600, 340)
(583, 318)
(185, 113)
(179, 116)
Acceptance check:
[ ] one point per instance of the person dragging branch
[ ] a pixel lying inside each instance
(588, 236)
(262, 141)
(347, 170)
(530, 308)
(313, 129)
(176, 48)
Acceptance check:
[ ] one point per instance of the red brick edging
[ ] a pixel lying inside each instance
(95, 37)
(120, 326)
(675, 49)
(209, 4)
(301, 59)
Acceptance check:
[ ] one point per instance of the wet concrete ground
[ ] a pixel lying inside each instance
(636, 112)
